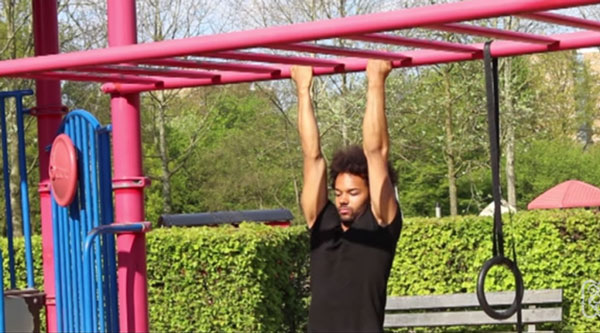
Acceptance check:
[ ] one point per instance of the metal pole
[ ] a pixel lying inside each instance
(128, 181)
(107, 216)
(57, 272)
(566, 41)
(122, 51)
(24, 190)
(49, 114)
(2, 313)
(8, 207)
(115, 228)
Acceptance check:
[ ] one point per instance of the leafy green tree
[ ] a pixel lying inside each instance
(545, 163)
(243, 159)
(555, 108)
(17, 42)
(587, 97)
(441, 121)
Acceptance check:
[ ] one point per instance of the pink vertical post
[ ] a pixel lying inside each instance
(49, 114)
(128, 182)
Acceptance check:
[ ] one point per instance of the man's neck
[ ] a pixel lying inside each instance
(346, 225)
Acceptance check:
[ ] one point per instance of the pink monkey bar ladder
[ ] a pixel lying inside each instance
(127, 68)
(182, 63)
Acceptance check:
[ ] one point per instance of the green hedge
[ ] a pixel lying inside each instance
(254, 278)
(555, 249)
(227, 279)
(20, 272)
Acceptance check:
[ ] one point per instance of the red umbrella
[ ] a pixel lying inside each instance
(570, 194)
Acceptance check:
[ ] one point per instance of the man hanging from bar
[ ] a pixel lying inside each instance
(353, 240)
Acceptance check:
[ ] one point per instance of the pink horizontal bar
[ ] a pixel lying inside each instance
(493, 33)
(93, 78)
(417, 58)
(414, 42)
(272, 58)
(340, 51)
(563, 20)
(347, 26)
(211, 65)
(148, 71)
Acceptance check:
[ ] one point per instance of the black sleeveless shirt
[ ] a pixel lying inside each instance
(349, 271)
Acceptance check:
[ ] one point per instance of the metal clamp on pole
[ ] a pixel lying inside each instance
(498, 259)
(46, 111)
(130, 182)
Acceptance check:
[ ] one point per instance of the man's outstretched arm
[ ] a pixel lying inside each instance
(314, 191)
(376, 144)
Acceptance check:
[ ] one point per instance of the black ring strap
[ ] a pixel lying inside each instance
(498, 259)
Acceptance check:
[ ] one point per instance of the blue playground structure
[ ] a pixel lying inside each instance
(84, 245)
(16, 304)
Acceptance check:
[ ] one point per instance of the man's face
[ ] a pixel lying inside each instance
(351, 196)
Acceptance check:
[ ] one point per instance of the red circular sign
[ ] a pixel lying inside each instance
(63, 170)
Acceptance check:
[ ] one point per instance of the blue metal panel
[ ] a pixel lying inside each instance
(80, 227)
(106, 215)
(24, 192)
(57, 273)
(88, 284)
(104, 229)
(95, 219)
(18, 95)
(2, 323)
(71, 263)
(7, 203)
(65, 267)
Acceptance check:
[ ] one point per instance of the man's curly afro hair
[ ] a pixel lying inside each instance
(352, 159)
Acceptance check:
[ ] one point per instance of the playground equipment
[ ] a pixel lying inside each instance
(272, 217)
(498, 257)
(82, 200)
(22, 306)
(126, 69)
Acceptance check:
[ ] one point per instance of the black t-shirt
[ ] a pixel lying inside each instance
(349, 271)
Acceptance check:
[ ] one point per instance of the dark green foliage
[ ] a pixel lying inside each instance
(544, 163)
(228, 149)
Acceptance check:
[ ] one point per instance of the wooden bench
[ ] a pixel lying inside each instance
(539, 306)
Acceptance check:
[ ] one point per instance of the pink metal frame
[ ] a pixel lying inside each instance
(128, 181)
(127, 68)
(368, 28)
(493, 33)
(49, 114)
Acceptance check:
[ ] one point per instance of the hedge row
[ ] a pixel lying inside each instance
(251, 279)
(255, 278)
(555, 249)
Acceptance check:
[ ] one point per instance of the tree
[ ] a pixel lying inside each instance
(438, 122)
(15, 24)
(587, 96)
(241, 161)
(162, 20)
(544, 163)
(157, 20)
(516, 102)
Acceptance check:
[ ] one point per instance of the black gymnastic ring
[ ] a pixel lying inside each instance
(500, 314)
